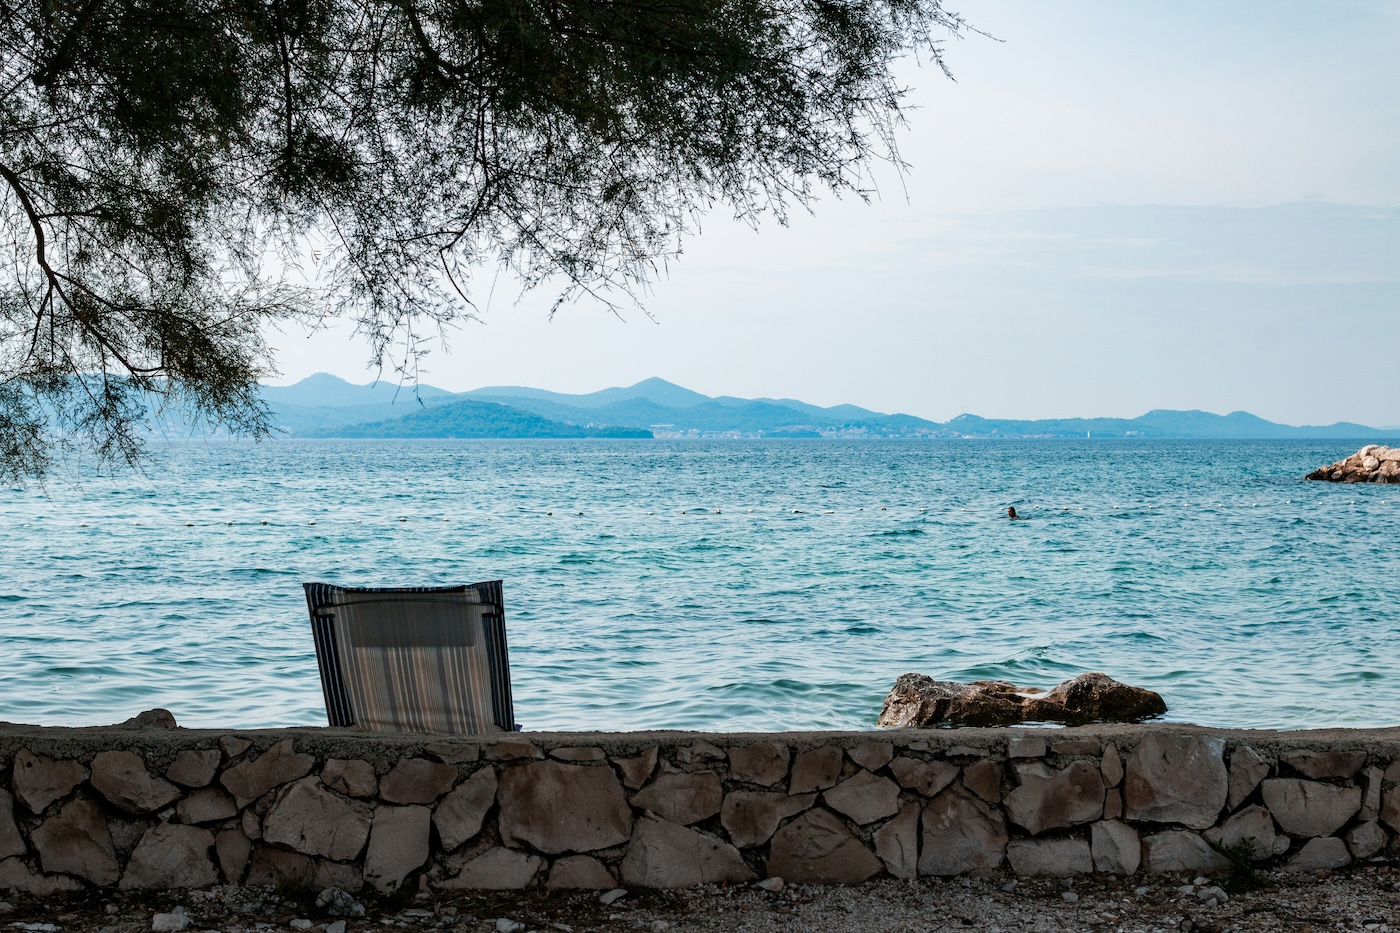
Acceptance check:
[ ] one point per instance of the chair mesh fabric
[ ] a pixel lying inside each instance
(413, 659)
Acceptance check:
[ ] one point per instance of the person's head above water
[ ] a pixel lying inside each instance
(1011, 511)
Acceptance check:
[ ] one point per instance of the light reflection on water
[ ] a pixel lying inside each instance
(728, 585)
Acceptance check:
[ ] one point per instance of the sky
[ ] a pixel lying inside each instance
(1114, 207)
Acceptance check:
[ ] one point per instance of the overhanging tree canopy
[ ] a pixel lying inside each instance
(160, 160)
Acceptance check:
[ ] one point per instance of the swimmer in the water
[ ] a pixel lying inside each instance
(1011, 512)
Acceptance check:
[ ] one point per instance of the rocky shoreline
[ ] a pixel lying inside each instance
(1373, 463)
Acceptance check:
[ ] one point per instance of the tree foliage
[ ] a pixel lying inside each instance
(164, 162)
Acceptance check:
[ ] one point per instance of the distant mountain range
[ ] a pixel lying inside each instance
(327, 406)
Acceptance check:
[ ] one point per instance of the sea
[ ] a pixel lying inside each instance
(724, 585)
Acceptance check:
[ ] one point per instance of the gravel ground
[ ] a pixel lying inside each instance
(1364, 899)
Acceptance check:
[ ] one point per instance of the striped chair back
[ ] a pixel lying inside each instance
(413, 659)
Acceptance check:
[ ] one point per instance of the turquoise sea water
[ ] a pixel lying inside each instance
(723, 585)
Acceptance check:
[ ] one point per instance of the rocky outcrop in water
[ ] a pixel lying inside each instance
(921, 702)
(1373, 463)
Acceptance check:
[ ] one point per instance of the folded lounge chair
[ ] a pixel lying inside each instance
(413, 659)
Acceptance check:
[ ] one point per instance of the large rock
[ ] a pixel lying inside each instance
(1054, 858)
(682, 797)
(17, 876)
(1309, 808)
(926, 778)
(11, 842)
(817, 848)
(897, 843)
(1176, 779)
(1315, 764)
(1177, 850)
(1247, 769)
(1371, 464)
(76, 842)
(171, 856)
(280, 868)
(122, 778)
(460, 814)
(279, 765)
(762, 763)
(960, 834)
(1371, 797)
(194, 767)
(983, 778)
(579, 873)
(1252, 827)
(353, 777)
(497, 869)
(662, 854)
(398, 844)
(864, 797)
(921, 702)
(816, 769)
(1390, 807)
(751, 817)
(206, 805)
(638, 769)
(1116, 847)
(555, 808)
(40, 780)
(1365, 840)
(1047, 799)
(313, 821)
(233, 848)
(1323, 854)
(1111, 766)
(872, 756)
(417, 780)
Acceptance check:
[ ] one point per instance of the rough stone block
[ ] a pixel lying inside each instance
(597, 815)
(1111, 765)
(699, 753)
(417, 780)
(1366, 840)
(17, 876)
(872, 756)
(40, 780)
(251, 824)
(1308, 808)
(171, 856)
(353, 777)
(751, 817)
(761, 763)
(459, 816)
(335, 875)
(983, 778)
(682, 797)
(1053, 858)
(76, 842)
(816, 769)
(194, 767)
(313, 821)
(1026, 746)
(1116, 847)
(11, 842)
(231, 746)
(398, 844)
(817, 848)
(638, 769)
(1177, 850)
(1113, 804)
(926, 778)
(1392, 772)
(512, 750)
(206, 805)
(960, 834)
(662, 854)
(1076, 747)
(1253, 826)
(1371, 795)
(1390, 808)
(280, 764)
(122, 778)
(452, 752)
(1315, 764)
(578, 753)
(967, 751)
(579, 873)
(1320, 854)
(280, 868)
(1176, 779)
(497, 869)
(897, 843)
(1047, 799)
(864, 797)
(233, 848)
(1247, 769)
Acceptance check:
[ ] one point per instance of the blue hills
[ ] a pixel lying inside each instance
(327, 406)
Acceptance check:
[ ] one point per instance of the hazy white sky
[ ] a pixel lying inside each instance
(1118, 207)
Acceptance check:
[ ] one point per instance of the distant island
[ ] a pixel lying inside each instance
(327, 406)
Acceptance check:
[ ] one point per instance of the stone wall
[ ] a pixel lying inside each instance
(153, 808)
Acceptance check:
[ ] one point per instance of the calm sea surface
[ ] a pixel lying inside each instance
(725, 585)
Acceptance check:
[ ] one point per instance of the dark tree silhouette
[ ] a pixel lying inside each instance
(164, 162)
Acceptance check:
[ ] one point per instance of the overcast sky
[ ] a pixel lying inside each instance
(1115, 208)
